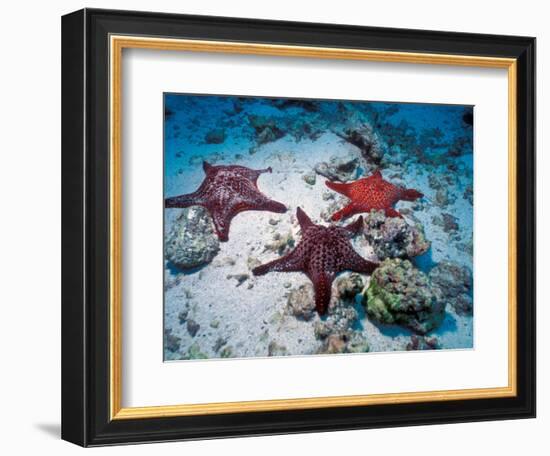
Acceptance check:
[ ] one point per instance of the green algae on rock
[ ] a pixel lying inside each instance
(401, 294)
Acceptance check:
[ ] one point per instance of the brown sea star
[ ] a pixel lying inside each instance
(370, 193)
(226, 191)
(322, 253)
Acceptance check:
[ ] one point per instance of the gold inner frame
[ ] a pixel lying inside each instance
(117, 44)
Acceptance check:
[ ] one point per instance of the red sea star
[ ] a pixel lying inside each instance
(226, 191)
(322, 253)
(372, 192)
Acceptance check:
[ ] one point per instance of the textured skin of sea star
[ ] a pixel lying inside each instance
(370, 193)
(323, 252)
(226, 191)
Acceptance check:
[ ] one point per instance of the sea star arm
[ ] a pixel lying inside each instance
(273, 206)
(377, 174)
(344, 189)
(353, 228)
(263, 203)
(208, 168)
(253, 174)
(256, 201)
(410, 194)
(391, 212)
(348, 210)
(355, 262)
(250, 174)
(322, 286)
(221, 220)
(223, 215)
(303, 219)
(190, 199)
(292, 262)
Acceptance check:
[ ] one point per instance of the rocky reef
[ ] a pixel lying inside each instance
(401, 294)
(266, 129)
(362, 135)
(216, 136)
(423, 343)
(338, 170)
(192, 241)
(455, 282)
(393, 237)
(346, 342)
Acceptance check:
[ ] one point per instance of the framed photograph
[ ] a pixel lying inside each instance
(278, 227)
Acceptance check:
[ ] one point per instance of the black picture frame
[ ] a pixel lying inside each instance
(85, 224)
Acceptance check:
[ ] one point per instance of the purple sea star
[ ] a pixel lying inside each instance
(226, 191)
(322, 253)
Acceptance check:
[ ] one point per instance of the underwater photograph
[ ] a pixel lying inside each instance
(298, 227)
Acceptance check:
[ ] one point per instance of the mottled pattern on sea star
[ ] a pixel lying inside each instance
(370, 193)
(226, 191)
(323, 252)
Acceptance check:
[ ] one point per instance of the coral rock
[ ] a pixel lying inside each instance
(349, 285)
(335, 343)
(336, 170)
(301, 302)
(469, 194)
(220, 342)
(392, 237)
(423, 343)
(216, 136)
(309, 178)
(341, 318)
(357, 343)
(281, 244)
(455, 282)
(195, 352)
(226, 352)
(364, 138)
(401, 294)
(192, 241)
(240, 278)
(274, 349)
(266, 129)
(448, 222)
(345, 342)
(306, 105)
(171, 342)
(193, 327)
